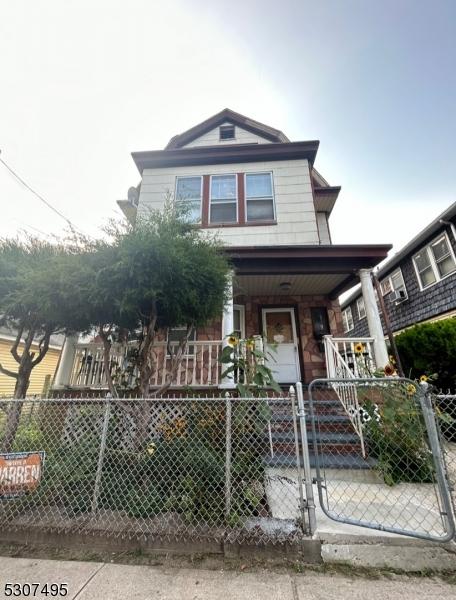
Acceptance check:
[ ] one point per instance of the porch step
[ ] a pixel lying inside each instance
(323, 437)
(326, 461)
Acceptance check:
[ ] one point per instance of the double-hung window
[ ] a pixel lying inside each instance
(259, 197)
(434, 262)
(176, 335)
(347, 319)
(188, 197)
(223, 200)
(394, 283)
(361, 308)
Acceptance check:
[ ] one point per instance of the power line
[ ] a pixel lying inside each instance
(48, 204)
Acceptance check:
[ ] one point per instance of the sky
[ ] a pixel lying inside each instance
(85, 83)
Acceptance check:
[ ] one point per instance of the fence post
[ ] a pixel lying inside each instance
(104, 435)
(302, 502)
(227, 456)
(306, 460)
(434, 442)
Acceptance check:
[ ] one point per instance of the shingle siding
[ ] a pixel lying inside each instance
(436, 300)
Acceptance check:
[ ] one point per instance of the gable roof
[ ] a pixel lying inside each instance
(269, 133)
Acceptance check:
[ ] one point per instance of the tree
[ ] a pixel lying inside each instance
(32, 305)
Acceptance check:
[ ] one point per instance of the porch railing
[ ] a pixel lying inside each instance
(348, 359)
(199, 367)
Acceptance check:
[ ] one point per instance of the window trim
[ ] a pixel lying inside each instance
(266, 221)
(241, 309)
(201, 193)
(433, 262)
(235, 201)
(348, 329)
(358, 300)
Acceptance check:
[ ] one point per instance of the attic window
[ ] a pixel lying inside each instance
(227, 132)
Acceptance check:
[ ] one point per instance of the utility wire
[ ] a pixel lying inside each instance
(48, 204)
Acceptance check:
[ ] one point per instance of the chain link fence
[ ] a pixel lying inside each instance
(190, 469)
(445, 409)
(388, 473)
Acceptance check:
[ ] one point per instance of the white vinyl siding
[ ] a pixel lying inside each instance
(295, 212)
(323, 228)
(434, 262)
(347, 319)
(212, 138)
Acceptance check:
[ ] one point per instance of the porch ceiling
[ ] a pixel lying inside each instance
(269, 285)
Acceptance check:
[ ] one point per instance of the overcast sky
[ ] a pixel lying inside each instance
(84, 83)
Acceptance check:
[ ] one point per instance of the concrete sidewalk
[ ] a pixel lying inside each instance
(105, 581)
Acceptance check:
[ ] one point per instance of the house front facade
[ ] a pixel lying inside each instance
(270, 207)
(418, 284)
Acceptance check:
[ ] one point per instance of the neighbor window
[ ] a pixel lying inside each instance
(223, 202)
(176, 335)
(227, 132)
(394, 283)
(347, 319)
(239, 321)
(259, 197)
(188, 196)
(361, 308)
(434, 262)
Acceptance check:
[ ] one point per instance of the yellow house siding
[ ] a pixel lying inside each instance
(46, 367)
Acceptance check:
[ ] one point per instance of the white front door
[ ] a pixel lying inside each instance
(281, 343)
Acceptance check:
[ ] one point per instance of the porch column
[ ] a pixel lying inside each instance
(228, 326)
(62, 377)
(373, 318)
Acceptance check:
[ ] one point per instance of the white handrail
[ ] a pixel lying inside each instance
(337, 368)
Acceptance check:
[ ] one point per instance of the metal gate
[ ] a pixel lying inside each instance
(377, 457)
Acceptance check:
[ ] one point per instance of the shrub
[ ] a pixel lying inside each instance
(430, 349)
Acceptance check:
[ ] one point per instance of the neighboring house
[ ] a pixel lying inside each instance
(418, 283)
(42, 374)
(270, 207)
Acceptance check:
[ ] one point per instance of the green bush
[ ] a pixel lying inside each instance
(430, 349)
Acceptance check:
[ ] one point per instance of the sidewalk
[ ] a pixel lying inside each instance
(105, 581)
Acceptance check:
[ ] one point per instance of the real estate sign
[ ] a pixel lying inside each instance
(20, 473)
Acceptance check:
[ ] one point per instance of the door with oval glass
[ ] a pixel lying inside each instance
(279, 331)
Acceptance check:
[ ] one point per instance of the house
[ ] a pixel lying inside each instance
(418, 283)
(42, 374)
(270, 207)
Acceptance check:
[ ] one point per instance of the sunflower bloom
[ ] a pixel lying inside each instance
(423, 378)
(389, 370)
(359, 348)
(410, 389)
(233, 341)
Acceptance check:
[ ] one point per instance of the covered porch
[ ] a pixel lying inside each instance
(284, 297)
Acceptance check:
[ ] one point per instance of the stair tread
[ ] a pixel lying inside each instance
(327, 436)
(327, 461)
(320, 417)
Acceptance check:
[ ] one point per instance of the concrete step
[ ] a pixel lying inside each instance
(326, 461)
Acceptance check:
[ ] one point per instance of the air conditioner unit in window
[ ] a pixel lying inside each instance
(398, 296)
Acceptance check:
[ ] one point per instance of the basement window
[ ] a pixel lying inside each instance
(227, 132)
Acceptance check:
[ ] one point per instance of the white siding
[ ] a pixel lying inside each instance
(323, 228)
(212, 138)
(296, 219)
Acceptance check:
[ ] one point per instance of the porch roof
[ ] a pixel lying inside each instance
(330, 269)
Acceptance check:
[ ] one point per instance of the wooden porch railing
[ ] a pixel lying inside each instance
(200, 366)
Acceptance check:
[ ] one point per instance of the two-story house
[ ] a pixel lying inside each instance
(418, 283)
(270, 207)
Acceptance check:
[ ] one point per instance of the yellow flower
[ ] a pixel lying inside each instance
(151, 449)
(423, 378)
(410, 389)
(392, 360)
(250, 345)
(359, 348)
(233, 341)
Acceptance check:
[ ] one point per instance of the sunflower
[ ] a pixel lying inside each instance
(250, 345)
(424, 378)
(359, 348)
(233, 341)
(392, 359)
(389, 370)
(151, 449)
(410, 389)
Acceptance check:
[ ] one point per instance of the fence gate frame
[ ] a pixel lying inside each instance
(441, 479)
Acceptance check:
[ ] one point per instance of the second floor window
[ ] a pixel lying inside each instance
(361, 308)
(223, 199)
(434, 262)
(188, 195)
(259, 197)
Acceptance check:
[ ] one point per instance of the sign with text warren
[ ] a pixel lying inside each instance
(20, 473)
